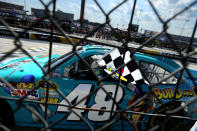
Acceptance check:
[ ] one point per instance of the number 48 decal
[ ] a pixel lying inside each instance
(101, 102)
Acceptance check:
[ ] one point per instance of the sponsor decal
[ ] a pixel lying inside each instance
(28, 86)
(115, 75)
(50, 100)
(2, 84)
(33, 96)
(7, 90)
(57, 69)
(64, 40)
(42, 56)
(56, 75)
(53, 97)
(21, 92)
(27, 82)
(42, 84)
(8, 33)
(10, 66)
(25, 61)
(5, 32)
(52, 94)
(168, 93)
(13, 64)
(24, 86)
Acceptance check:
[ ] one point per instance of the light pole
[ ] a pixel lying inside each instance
(123, 27)
(24, 14)
(186, 20)
(141, 11)
(82, 13)
(25, 5)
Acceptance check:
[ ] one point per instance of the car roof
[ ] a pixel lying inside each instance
(95, 47)
(139, 56)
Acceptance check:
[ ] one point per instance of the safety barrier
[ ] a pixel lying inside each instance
(36, 36)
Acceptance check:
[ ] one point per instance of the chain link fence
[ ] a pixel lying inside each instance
(162, 119)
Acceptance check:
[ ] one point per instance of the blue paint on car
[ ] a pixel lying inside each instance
(22, 72)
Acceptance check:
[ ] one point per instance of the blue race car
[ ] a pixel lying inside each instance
(76, 100)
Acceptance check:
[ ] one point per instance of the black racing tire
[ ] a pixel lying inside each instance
(167, 123)
(6, 115)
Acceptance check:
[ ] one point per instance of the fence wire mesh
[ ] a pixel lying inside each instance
(163, 118)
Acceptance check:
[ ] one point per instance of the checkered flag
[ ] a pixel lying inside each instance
(129, 74)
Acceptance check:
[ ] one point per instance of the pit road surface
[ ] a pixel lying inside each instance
(33, 47)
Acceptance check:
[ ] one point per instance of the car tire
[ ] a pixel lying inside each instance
(167, 124)
(6, 115)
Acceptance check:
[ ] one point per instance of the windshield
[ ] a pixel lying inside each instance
(60, 60)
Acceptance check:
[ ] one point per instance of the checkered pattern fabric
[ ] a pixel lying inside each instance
(129, 74)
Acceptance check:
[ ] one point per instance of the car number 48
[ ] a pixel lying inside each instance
(101, 101)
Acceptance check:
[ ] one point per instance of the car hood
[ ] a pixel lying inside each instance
(193, 73)
(23, 66)
(188, 78)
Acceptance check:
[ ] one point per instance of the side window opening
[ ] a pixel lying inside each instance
(155, 73)
(80, 70)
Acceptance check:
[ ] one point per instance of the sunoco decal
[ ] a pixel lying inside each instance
(52, 86)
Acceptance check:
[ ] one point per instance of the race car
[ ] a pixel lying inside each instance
(81, 99)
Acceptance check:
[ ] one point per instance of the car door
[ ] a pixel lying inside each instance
(76, 81)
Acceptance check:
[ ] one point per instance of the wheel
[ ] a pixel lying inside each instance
(167, 123)
(6, 115)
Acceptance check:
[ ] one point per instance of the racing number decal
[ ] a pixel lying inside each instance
(77, 94)
(102, 101)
